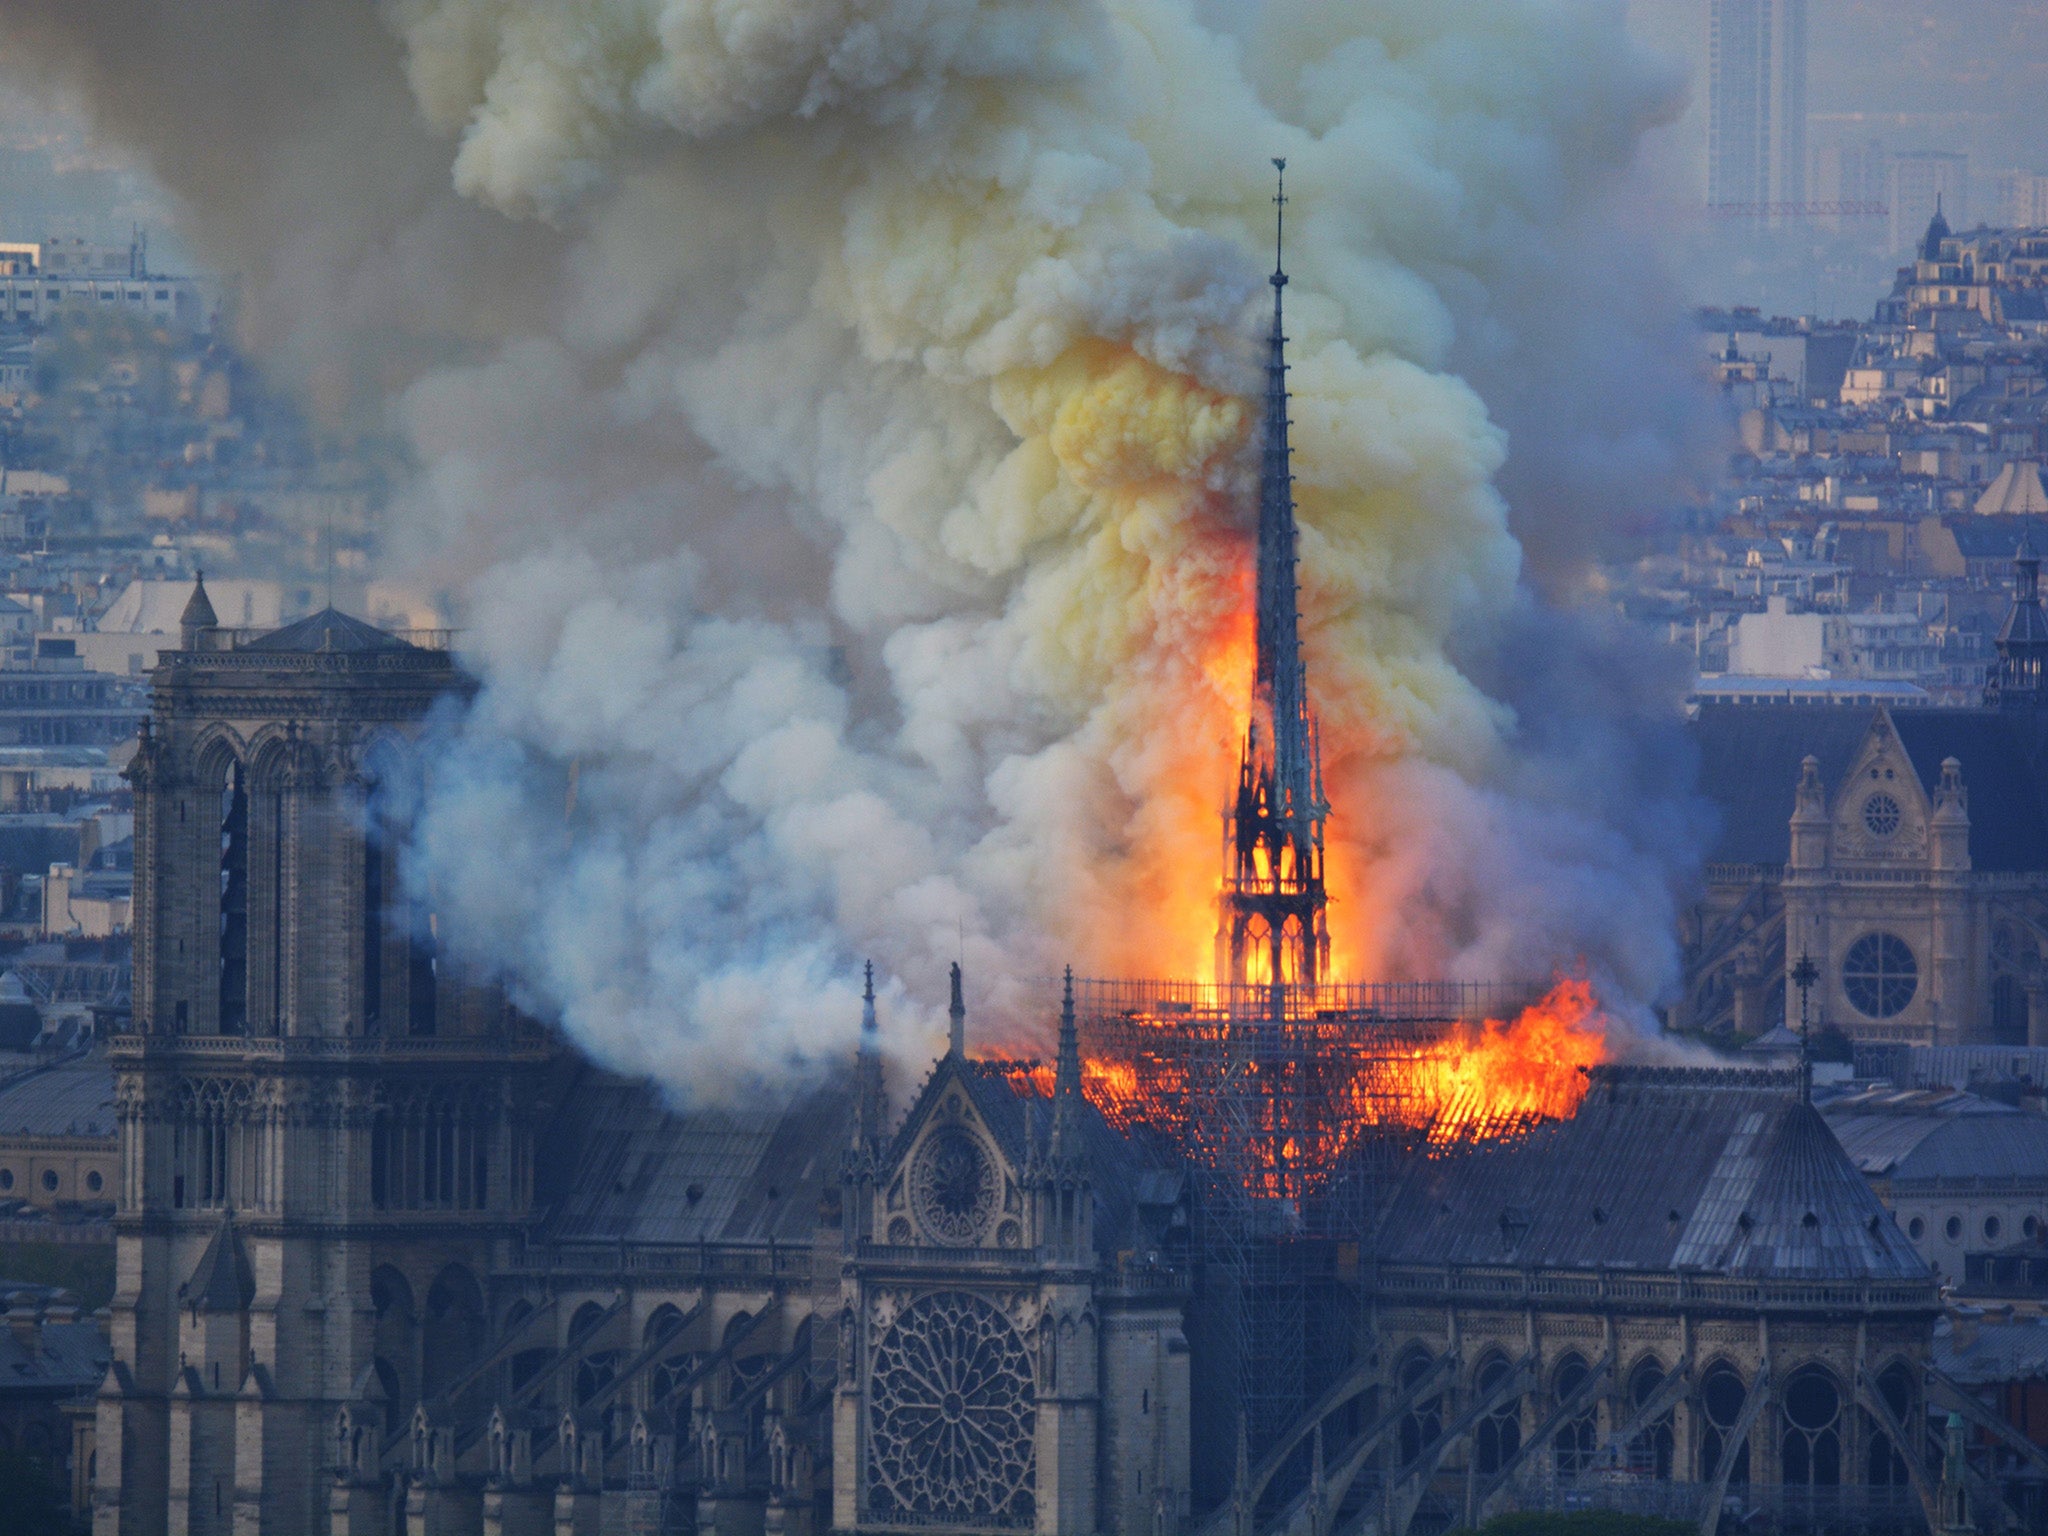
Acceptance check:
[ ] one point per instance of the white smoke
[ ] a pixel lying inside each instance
(845, 477)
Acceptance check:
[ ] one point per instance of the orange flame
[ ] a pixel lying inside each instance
(1343, 1081)
(1532, 1069)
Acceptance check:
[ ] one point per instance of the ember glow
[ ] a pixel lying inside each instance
(1306, 1094)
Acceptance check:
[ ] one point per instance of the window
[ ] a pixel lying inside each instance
(1575, 1441)
(1916, 1229)
(1992, 1227)
(1881, 815)
(1722, 1394)
(1954, 1228)
(1499, 1434)
(6, 1178)
(94, 1182)
(1422, 1425)
(1880, 975)
(50, 1180)
(1810, 1449)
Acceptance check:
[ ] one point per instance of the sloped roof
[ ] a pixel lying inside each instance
(72, 1098)
(1907, 1148)
(1661, 1169)
(198, 613)
(1992, 1352)
(156, 607)
(328, 630)
(625, 1166)
(1980, 538)
(1750, 757)
(63, 1359)
(223, 1281)
(2017, 490)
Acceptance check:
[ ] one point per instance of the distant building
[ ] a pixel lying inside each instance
(1926, 184)
(40, 281)
(1962, 1175)
(57, 1142)
(51, 1360)
(1905, 851)
(1756, 106)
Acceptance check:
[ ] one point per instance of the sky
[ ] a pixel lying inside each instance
(1921, 74)
(1968, 75)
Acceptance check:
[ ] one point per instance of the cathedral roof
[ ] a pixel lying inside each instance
(1749, 769)
(328, 630)
(624, 1166)
(1661, 1169)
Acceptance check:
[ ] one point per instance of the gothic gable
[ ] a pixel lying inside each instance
(1880, 808)
(953, 1177)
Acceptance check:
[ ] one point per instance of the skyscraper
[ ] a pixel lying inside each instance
(1756, 106)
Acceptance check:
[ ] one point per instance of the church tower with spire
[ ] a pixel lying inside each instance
(1273, 928)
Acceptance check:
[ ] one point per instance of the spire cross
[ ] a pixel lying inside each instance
(1804, 975)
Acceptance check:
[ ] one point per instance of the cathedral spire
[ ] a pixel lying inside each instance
(1273, 930)
(867, 1090)
(956, 1014)
(1066, 1078)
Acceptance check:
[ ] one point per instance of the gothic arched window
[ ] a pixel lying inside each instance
(1650, 1451)
(1722, 1394)
(1577, 1438)
(1885, 1467)
(1810, 1445)
(1499, 1435)
(1423, 1424)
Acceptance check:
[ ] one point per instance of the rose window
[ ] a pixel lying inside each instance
(952, 1417)
(953, 1186)
(1881, 815)
(1880, 975)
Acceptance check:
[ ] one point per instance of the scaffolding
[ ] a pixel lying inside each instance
(1295, 1108)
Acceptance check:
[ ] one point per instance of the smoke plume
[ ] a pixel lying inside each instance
(832, 422)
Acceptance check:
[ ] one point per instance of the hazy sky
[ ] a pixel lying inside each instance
(1919, 74)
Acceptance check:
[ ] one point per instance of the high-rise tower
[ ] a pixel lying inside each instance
(1274, 924)
(1756, 107)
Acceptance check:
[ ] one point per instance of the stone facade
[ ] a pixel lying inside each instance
(351, 1296)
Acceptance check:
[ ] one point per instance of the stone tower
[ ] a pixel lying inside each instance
(1273, 927)
(323, 1132)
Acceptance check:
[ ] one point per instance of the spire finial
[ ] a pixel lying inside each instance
(957, 1013)
(1279, 278)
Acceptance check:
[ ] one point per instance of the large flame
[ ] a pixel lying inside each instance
(1338, 1083)
(1513, 1073)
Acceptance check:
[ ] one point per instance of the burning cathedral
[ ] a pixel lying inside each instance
(1263, 1254)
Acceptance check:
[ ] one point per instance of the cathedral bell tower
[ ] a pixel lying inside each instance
(1273, 929)
(324, 1128)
